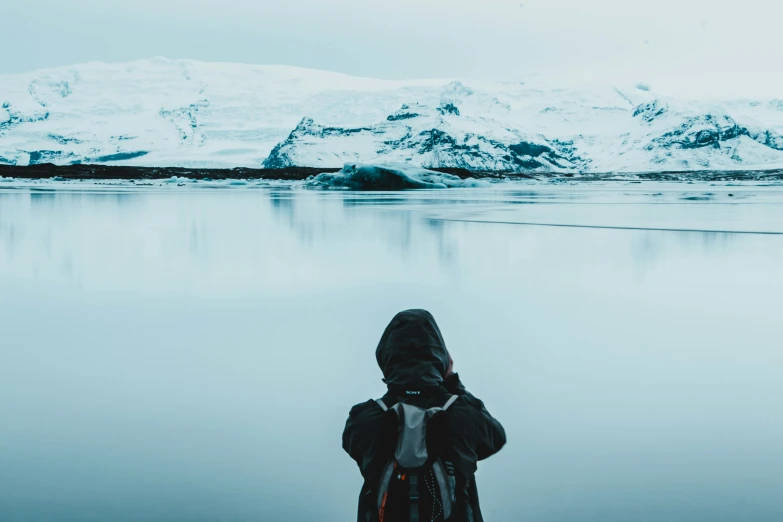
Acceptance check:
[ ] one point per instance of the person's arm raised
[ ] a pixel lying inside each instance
(481, 430)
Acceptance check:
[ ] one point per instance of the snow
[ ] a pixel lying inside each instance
(389, 177)
(161, 112)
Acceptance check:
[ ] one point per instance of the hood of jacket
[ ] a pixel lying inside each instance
(412, 353)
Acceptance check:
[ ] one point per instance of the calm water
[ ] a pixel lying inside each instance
(187, 354)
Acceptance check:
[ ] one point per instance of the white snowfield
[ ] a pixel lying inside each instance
(162, 112)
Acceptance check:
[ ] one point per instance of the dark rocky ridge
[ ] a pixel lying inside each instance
(114, 172)
(107, 172)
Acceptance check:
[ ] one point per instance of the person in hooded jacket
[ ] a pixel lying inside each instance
(417, 368)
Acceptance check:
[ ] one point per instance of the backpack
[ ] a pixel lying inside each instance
(413, 486)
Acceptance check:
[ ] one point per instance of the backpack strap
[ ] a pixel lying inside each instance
(450, 402)
(382, 404)
(413, 493)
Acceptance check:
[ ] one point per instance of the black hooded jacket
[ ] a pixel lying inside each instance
(413, 357)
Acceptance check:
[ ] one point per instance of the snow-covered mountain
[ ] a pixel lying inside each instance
(163, 112)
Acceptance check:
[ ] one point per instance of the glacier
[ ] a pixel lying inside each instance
(183, 113)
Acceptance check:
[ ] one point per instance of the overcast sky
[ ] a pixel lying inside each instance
(695, 47)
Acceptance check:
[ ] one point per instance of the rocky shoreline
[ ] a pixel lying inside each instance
(113, 172)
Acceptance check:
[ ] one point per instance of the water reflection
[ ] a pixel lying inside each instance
(166, 353)
(182, 237)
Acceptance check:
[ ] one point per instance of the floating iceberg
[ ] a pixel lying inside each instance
(178, 179)
(389, 177)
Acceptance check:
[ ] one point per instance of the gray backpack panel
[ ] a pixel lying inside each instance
(411, 453)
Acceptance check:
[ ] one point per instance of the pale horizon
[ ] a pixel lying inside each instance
(689, 48)
(693, 92)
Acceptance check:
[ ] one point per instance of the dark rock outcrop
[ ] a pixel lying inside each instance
(448, 108)
(405, 113)
(13, 118)
(702, 131)
(650, 111)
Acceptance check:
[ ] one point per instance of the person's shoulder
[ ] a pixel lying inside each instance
(364, 408)
(467, 400)
(454, 386)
